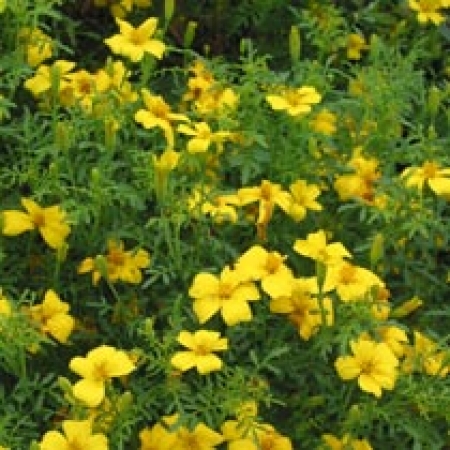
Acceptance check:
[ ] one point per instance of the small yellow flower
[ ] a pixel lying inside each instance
(373, 364)
(117, 265)
(315, 247)
(51, 222)
(324, 122)
(133, 43)
(303, 197)
(427, 11)
(269, 268)
(227, 293)
(302, 309)
(37, 45)
(5, 305)
(97, 368)
(296, 102)
(157, 113)
(201, 345)
(346, 443)
(355, 44)
(53, 317)
(77, 434)
(430, 173)
(202, 137)
(157, 438)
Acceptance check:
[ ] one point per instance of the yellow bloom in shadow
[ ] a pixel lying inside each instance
(201, 346)
(296, 102)
(51, 222)
(346, 443)
(53, 317)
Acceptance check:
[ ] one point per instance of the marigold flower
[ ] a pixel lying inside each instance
(46, 76)
(117, 265)
(302, 309)
(201, 345)
(425, 355)
(373, 364)
(228, 293)
(351, 282)
(315, 247)
(296, 102)
(133, 43)
(37, 45)
(269, 268)
(355, 44)
(5, 305)
(97, 368)
(202, 137)
(77, 434)
(51, 222)
(157, 113)
(427, 11)
(53, 317)
(346, 443)
(430, 174)
(324, 122)
(200, 437)
(303, 197)
(157, 438)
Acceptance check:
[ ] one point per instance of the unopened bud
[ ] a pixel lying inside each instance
(189, 34)
(169, 9)
(295, 44)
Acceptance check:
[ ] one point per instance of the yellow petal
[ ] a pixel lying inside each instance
(16, 222)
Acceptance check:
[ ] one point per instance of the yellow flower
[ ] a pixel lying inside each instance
(346, 443)
(267, 267)
(157, 438)
(53, 317)
(302, 308)
(77, 435)
(373, 364)
(163, 165)
(97, 368)
(303, 197)
(315, 247)
(253, 436)
(5, 305)
(38, 45)
(199, 438)
(355, 44)
(201, 345)
(426, 355)
(133, 43)
(395, 338)
(427, 11)
(118, 265)
(351, 282)
(431, 174)
(296, 102)
(51, 222)
(157, 113)
(48, 76)
(227, 293)
(202, 137)
(324, 122)
(268, 195)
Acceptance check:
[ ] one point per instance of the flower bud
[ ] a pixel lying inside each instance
(295, 44)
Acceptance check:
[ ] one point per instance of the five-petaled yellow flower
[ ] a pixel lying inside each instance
(53, 317)
(133, 43)
(427, 11)
(315, 246)
(296, 102)
(373, 364)
(51, 222)
(201, 345)
(77, 434)
(97, 368)
(227, 293)
(431, 174)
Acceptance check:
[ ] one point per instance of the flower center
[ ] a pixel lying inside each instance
(101, 371)
(225, 290)
(347, 274)
(116, 257)
(266, 191)
(273, 262)
(430, 170)
(38, 219)
(136, 37)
